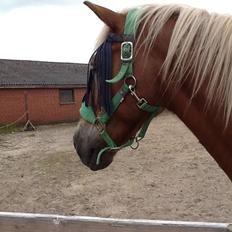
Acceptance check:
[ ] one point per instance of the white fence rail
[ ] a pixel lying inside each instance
(23, 222)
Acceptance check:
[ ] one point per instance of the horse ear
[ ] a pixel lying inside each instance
(112, 19)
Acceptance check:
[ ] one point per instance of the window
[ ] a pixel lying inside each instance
(66, 96)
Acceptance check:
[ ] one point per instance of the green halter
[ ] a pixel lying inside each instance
(126, 72)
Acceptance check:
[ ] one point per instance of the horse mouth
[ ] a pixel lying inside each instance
(105, 161)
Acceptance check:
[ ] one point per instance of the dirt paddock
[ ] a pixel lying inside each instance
(169, 177)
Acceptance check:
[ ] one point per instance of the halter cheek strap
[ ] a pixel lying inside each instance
(126, 72)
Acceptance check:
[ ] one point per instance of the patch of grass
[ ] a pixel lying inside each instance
(9, 129)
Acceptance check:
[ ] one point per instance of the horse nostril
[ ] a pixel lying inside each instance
(92, 150)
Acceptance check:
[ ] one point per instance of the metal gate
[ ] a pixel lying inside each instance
(24, 222)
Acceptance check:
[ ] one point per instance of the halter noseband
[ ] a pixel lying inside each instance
(126, 73)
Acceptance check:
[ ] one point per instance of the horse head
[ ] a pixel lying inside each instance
(113, 123)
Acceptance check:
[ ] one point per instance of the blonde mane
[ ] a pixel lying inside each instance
(201, 43)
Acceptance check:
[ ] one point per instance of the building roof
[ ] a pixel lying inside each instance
(38, 74)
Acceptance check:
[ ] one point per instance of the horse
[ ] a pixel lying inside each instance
(151, 58)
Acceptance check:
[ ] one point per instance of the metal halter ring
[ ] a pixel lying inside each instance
(141, 102)
(99, 125)
(135, 145)
(127, 81)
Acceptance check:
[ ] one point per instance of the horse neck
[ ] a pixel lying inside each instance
(207, 125)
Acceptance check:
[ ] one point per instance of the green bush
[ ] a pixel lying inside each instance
(8, 129)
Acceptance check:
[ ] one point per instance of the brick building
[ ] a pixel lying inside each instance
(42, 92)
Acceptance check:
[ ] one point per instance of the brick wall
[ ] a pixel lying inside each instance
(12, 106)
(43, 105)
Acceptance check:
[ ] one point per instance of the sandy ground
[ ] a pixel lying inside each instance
(170, 176)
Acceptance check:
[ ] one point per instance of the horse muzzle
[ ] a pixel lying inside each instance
(88, 144)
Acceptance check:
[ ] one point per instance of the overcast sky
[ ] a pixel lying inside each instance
(64, 30)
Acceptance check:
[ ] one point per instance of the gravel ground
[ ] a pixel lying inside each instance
(170, 177)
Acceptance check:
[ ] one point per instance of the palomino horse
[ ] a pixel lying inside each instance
(156, 57)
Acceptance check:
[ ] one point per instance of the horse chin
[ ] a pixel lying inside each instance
(106, 160)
